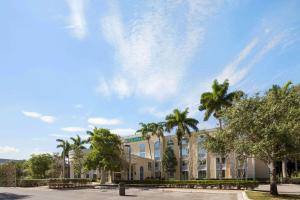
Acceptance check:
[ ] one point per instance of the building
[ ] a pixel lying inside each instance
(144, 160)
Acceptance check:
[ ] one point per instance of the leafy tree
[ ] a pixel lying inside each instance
(266, 127)
(183, 125)
(158, 129)
(56, 166)
(169, 161)
(213, 102)
(66, 147)
(106, 152)
(145, 130)
(39, 165)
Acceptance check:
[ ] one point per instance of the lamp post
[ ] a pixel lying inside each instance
(129, 153)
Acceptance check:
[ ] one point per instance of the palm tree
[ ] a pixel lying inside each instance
(78, 143)
(65, 145)
(158, 129)
(183, 125)
(91, 134)
(67, 154)
(145, 131)
(213, 102)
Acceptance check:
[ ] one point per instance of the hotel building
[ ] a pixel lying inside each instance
(144, 160)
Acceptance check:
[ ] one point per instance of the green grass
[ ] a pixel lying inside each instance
(266, 196)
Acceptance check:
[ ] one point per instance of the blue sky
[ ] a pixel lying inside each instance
(66, 66)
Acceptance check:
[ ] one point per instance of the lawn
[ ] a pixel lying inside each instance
(266, 196)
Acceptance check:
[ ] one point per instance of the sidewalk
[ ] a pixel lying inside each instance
(282, 188)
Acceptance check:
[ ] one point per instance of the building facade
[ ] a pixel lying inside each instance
(145, 161)
(197, 162)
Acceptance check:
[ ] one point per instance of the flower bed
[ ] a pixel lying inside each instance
(68, 183)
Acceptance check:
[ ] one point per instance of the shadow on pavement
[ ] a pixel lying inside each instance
(11, 196)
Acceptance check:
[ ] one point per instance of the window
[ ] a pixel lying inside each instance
(184, 165)
(185, 152)
(157, 166)
(142, 151)
(220, 174)
(149, 166)
(185, 141)
(202, 162)
(157, 150)
(202, 174)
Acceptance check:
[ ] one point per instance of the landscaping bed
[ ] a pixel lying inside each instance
(220, 184)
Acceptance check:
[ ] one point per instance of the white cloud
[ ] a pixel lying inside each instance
(123, 131)
(45, 118)
(78, 106)
(8, 149)
(76, 20)
(73, 129)
(100, 121)
(152, 50)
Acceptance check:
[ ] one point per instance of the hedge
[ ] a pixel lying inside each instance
(68, 183)
(295, 180)
(32, 182)
(221, 184)
(44, 182)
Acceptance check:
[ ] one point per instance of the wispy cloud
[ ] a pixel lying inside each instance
(76, 20)
(73, 129)
(232, 70)
(8, 149)
(59, 135)
(152, 110)
(45, 118)
(152, 50)
(100, 121)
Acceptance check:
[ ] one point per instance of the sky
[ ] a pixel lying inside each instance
(67, 66)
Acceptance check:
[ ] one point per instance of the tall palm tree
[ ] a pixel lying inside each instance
(213, 102)
(65, 145)
(91, 134)
(67, 154)
(158, 129)
(145, 131)
(78, 143)
(183, 125)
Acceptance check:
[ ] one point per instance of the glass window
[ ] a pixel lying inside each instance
(220, 174)
(185, 151)
(157, 150)
(142, 151)
(157, 166)
(202, 174)
(185, 165)
(149, 166)
(185, 141)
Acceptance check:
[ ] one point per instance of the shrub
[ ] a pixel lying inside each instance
(32, 182)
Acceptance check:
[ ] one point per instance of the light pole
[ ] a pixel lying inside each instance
(129, 153)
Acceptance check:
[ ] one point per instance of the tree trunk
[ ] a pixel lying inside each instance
(180, 160)
(296, 167)
(63, 170)
(160, 159)
(69, 167)
(153, 168)
(102, 180)
(273, 181)
(284, 171)
(220, 123)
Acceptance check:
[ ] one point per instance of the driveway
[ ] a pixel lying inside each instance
(43, 193)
